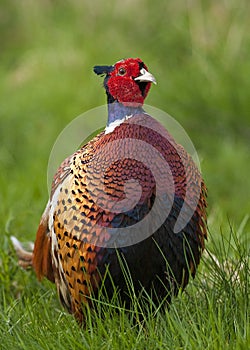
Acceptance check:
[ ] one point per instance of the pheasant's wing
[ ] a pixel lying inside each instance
(41, 257)
(42, 260)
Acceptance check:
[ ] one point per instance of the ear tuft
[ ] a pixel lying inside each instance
(101, 70)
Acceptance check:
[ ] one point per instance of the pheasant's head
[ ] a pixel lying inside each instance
(127, 82)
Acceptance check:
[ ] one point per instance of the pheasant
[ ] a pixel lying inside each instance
(129, 197)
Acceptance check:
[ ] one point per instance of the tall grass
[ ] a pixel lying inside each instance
(213, 312)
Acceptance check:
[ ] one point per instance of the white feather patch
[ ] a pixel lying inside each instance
(111, 127)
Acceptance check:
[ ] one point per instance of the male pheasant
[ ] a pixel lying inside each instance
(99, 215)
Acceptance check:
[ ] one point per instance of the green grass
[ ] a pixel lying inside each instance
(212, 314)
(199, 52)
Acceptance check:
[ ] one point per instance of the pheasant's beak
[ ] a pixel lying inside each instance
(146, 76)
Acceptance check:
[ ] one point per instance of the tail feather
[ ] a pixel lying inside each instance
(25, 257)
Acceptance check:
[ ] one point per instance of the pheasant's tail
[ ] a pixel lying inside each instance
(25, 257)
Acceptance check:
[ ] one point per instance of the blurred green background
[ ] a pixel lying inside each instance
(199, 51)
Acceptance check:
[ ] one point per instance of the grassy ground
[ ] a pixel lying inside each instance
(199, 52)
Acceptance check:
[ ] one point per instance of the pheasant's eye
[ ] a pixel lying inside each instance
(122, 71)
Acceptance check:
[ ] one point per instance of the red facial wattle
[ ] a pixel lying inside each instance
(123, 86)
(125, 90)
